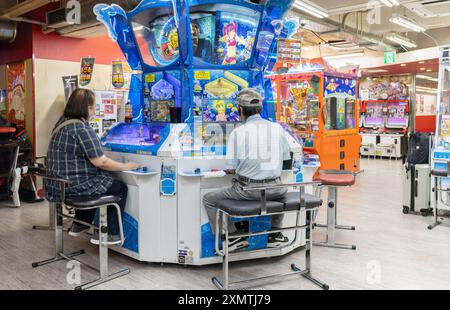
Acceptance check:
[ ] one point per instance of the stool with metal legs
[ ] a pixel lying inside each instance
(438, 175)
(294, 202)
(85, 203)
(333, 179)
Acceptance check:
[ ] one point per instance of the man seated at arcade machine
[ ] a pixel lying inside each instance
(257, 162)
(75, 153)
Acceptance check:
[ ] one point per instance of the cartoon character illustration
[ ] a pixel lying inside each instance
(332, 86)
(231, 40)
(221, 115)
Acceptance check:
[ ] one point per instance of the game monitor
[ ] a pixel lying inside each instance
(397, 116)
(374, 115)
(223, 34)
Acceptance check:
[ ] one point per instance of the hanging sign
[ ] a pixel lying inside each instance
(289, 51)
(118, 80)
(70, 84)
(389, 57)
(87, 66)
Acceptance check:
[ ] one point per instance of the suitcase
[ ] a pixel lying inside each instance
(416, 189)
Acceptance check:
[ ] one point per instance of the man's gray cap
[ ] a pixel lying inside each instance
(249, 98)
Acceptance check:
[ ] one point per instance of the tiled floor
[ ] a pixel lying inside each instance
(395, 251)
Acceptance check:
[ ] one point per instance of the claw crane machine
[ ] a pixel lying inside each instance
(440, 157)
(319, 105)
(190, 58)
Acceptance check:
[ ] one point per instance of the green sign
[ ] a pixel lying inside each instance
(389, 57)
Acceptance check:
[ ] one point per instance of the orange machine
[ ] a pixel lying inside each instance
(319, 105)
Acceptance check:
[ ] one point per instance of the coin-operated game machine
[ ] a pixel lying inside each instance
(319, 105)
(384, 127)
(440, 154)
(190, 59)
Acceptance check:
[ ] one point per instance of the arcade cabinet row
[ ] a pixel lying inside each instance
(384, 128)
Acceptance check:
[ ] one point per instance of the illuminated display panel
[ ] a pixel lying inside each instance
(223, 34)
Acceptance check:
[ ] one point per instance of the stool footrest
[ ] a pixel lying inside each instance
(103, 280)
(335, 245)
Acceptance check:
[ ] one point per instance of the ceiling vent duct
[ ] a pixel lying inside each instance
(8, 31)
(88, 18)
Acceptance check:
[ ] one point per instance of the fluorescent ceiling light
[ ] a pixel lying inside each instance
(375, 70)
(310, 8)
(426, 89)
(401, 40)
(426, 77)
(407, 23)
(344, 55)
(390, 3)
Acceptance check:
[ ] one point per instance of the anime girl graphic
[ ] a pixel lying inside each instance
(231, 40)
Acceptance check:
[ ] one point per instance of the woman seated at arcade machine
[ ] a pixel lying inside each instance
(75, 154)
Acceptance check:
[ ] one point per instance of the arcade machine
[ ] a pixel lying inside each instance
(384, 128)
(189, 61)
(440, 154)
(318, 104)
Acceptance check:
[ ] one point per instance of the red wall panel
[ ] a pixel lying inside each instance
(426, 123)
(55, 47)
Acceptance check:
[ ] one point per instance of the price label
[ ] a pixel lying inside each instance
(202, 75)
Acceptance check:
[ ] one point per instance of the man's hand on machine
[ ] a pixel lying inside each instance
(131, 166)
(230, 171)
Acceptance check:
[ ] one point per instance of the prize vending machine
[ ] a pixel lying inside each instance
(394, 142)
(440, 158)
(384, 128)
(372, 126)
(318, 104)
(189, 59)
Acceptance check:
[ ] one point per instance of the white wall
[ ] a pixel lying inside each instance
(49, 93)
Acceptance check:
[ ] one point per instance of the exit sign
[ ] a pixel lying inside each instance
(389, 57)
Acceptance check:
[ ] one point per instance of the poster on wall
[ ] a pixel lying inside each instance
(70, 84)
(16, 93)
(118, 80)
(445, 130)
(426, 104)
(105, 111)
(87, 67)
(3, 103)
(386, 88)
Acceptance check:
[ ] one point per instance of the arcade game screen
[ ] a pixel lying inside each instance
(374, 115)
(161, 94)
(134, 134)
(397, 116)
(225, 36)
(215, 94)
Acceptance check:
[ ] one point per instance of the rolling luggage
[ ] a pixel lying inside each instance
(416, 175)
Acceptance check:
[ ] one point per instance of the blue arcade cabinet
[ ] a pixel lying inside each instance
(190, 58)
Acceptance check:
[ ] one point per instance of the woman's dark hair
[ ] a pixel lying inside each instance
(78, 104)
(249, 111)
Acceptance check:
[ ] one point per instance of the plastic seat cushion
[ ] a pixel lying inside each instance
(336, 179)
(91, 201)
(291, 201)
(248, 207)
(439, 173)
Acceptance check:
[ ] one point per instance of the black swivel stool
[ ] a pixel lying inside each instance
(101, 202)
(293, 202)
